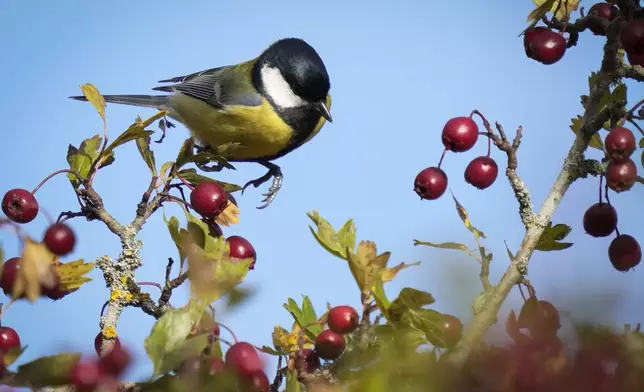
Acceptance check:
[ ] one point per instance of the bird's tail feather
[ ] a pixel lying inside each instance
(150, 101)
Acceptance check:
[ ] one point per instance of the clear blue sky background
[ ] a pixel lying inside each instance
(399, 70)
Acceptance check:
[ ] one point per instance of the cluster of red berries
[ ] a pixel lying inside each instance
(330, 343)
(209, 200)
(600, 219)
(103, 372)
(9, 340)
(20, 206)
(548, 47)
(459, 135)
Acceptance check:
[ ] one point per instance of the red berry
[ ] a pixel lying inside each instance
(632, 36)
(241, 248)
(57, 291)
(600, 220)
(259, 382)
(452, 329)
(540, 317)
(620, 144)
(602, 10)
(635, 58)
(86, 375)
(244, 358)
(460, 134)
(430, 183)
(342, 319)
(309, 361)
(547, 47)
(9, 339)
(624, 252)
(9, 274)
(60, 239)
(481, 172)
(116, 360)
(99, 341)
(329, 345)
(209, 199)
(20, 205)
(620, 177)
(216, 365)
(529, 36)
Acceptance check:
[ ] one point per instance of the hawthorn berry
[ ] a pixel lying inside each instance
(460, 134)
(620, 144)
(430, 183)
(308, 360)
(481, 172)
(452, 329)
(19, 205)
(635, 58)
(620, 177)
(624, 252)
(259, 382)
(99, 341)
(85, 376)
(60, 239)
(241, 248)
(216, 365)
(209, 199)
(546, 46)
(529, 36)
(602, 10)
(600, 220)
(57, 291)
(540, 317)
(329, 345)
(632, 36)
(342, 319)
(9, 339)
(9, 274)
(243, 357)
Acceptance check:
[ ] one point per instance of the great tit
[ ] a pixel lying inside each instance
(268, 106)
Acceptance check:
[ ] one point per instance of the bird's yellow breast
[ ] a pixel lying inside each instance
(258, 130)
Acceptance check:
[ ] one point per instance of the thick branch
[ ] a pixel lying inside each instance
(591, 123)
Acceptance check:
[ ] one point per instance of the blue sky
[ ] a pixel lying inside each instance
(399, 70)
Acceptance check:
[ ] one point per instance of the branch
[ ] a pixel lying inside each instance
(591, 123)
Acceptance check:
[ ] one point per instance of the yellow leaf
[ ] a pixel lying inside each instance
(287, 342)
(229, 216)
(562, 8)
(71, 274)
(388, 274)
(462, 213)
(366, 265)
(35, 271)
(95, 98)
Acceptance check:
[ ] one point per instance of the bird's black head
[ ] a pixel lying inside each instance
(292, 73)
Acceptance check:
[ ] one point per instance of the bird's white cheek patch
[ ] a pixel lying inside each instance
(278, 89)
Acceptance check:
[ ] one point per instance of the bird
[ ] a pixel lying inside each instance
(265, 107)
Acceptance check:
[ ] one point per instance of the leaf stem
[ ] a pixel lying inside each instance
(57, 172)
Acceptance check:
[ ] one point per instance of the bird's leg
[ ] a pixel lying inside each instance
(275, 173)
(216, 167)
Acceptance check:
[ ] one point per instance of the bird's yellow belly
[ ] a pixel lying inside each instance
(257, 132)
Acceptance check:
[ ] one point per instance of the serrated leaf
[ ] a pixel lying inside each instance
(551, 237)
(195, 179)
(595, 141)
(462, 213)
(347, 235)
(190, 347)
(80, 159)
(327, 236)
(367, 265)
(535, 15)
(288, 342)
(304, 316)
(49, 371)
(388, 274)
(562, 10)
(95, 98)
(35, 272)
(409, 299)
(72, 274)
(143, 145)
(11, 356)
(168, 334)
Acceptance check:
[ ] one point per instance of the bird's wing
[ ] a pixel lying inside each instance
(220, 87)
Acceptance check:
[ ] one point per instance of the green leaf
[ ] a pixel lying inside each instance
(327, 236)
(551, 237)
(304, 316)
(50, 371)
(168, 334)
(292, 385)
(95, 98)
(237, 296)
(462, 213)
(134, 132)
(595, 141)
(190, 347)
(12, 355)
(380, 297)
(185, 152)
(409, 299)
(535, 15)
(446, 245)
(173, 227)
(195, 179)
(347, 235)
(430, 322)
(272, 351)
(80, 159)
(143, 145)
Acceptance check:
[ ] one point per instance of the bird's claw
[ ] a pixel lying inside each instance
(216, 168)
(273, 172)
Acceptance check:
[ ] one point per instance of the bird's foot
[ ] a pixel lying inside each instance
(275, 173)
(215, 168)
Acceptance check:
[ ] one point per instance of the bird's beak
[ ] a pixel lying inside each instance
(324, 111)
